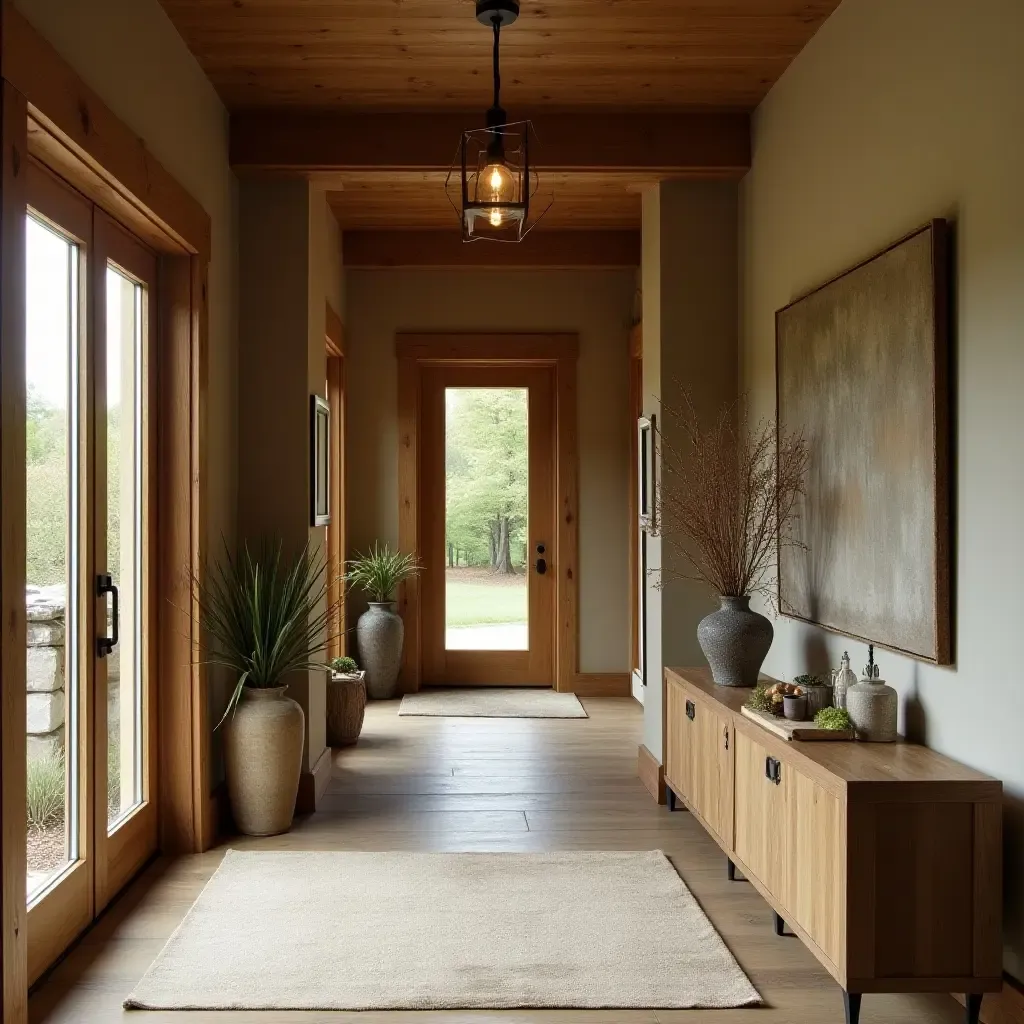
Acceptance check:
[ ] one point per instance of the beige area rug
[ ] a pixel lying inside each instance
(426, 931)
(485, 702)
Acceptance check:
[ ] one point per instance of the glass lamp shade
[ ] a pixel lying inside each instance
(493, 182)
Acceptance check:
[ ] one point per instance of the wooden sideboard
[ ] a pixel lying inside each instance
(884, 858)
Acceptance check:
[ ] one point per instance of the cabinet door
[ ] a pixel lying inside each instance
(678, 742)
(814, 860)
(761, 825)
(712, 771)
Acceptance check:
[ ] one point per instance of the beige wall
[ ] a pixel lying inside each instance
(289, 267)
(596, 304)
(690, 344)
(899, 111)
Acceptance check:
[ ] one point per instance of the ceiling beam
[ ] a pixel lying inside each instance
(376, 250)
(693, 144)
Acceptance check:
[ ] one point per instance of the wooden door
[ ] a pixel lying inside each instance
(712, 779)
(762, 826)
(679, 742)
(487, 526)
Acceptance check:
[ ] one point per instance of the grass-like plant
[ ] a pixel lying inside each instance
(344, 666)
(759, 699)
(44, 798)
(266, 616)
(378, 572)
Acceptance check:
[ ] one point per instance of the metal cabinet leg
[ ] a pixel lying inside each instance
(670, 798)
(780, 925)
(973, 1001)
(730, 870)
(851, 1002)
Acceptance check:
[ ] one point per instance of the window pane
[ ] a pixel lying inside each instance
(486, 502)
(124, 533)
(51, 352)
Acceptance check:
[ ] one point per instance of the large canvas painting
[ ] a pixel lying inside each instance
(862, 372)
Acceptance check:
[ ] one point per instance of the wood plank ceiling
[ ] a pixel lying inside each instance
(562, 55)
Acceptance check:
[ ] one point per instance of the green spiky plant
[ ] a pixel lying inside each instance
(266, 616)
(379, 571)
(344, 666)
(759, 699)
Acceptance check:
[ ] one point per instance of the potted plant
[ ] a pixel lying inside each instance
(727, 503)
(346, 703)
(380, 631)
(263, 618)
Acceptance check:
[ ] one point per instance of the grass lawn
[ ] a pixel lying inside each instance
(483, 604)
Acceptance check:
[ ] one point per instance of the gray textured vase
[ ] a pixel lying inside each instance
(380, 632)
(735, 641)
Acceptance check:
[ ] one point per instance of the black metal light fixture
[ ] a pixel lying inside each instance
(491, 183)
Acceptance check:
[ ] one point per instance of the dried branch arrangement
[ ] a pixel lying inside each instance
(728, 500)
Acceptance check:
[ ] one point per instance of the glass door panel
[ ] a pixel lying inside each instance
(123, 578)
(487, 500)
(52, 521)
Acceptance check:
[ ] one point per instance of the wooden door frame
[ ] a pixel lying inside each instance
(560, 351)
(636, 407)
(50, 114)
(336, 535)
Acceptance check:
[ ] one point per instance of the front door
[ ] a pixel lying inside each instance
(487, 493)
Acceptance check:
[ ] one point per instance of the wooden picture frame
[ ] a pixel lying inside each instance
(320, 460)
(862, 371)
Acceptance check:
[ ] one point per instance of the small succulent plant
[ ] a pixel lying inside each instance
(811, 680)
(833, 718)
(344, 666)
(759, 699)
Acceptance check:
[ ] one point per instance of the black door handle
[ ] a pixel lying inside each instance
(105, 644)
(691, 710)
(773, 770)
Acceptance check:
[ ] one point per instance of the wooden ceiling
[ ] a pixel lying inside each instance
(369, 57)
(561, 54)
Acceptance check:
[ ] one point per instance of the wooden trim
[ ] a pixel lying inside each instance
(636, 341)
(13, 930)
(681, 144)
(336, 527)
(313, 784)
(651, 773)
(636, 408)
(118, 162)
(563, 250)
(415, 351)
(335, 331)
(601, 684)
(1005, 1007)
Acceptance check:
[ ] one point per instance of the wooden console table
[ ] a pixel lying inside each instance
(884, 858)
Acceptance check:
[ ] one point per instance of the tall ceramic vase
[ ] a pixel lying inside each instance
(263, 760)
(735, 640)
(380, 633)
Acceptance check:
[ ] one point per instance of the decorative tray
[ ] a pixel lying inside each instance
(787, 730)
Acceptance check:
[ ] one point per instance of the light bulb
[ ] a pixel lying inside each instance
(495, 218)
(498, 182)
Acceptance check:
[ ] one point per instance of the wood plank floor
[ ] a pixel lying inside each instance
(479, 784)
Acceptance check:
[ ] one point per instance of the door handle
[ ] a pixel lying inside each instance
(105, 644)
(542, 564)
(691, 710)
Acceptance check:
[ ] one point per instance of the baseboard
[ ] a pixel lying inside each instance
(313, 785)
(651, 773)
(1006, 1007)
(601, 684)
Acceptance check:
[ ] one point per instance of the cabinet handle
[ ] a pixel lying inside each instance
(726, 732)
(691, 710)
(773, 770)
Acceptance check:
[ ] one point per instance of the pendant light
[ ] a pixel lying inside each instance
(490, 184)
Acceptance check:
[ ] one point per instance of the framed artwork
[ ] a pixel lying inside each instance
(862, 371)
(320, 457)
(646, 506)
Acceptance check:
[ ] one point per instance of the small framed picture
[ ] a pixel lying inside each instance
(646, 428)
(320, 467)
